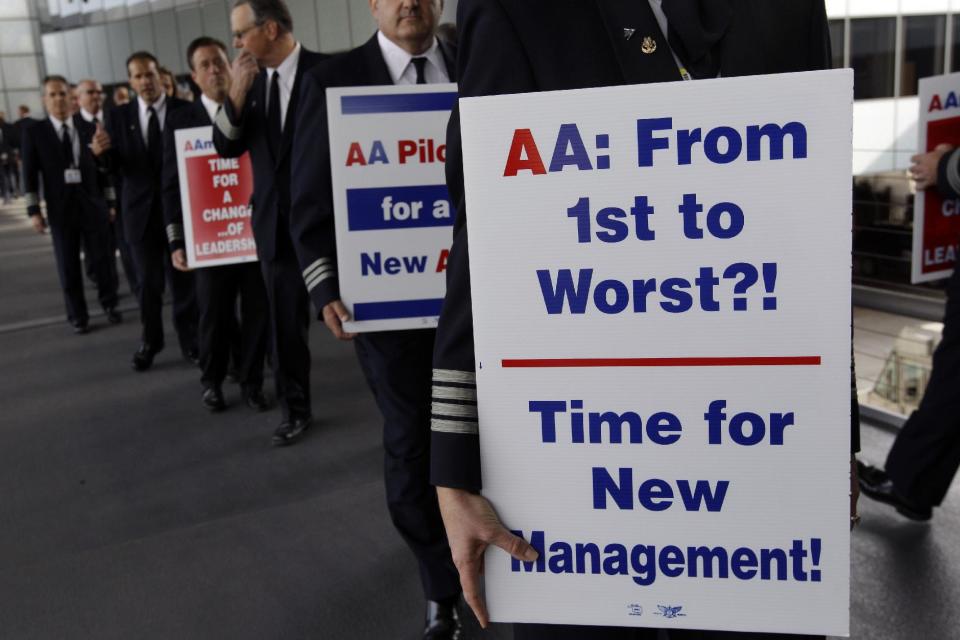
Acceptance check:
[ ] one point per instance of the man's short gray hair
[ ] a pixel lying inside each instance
(264, 10)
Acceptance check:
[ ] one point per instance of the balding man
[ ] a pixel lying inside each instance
(90, 97)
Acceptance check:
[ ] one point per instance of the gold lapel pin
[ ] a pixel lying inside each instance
(649, 45)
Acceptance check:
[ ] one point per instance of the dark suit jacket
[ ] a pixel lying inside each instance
(42, 155)
(140, 193)
(8, 144)
(111, 182)
(311, 217)
(18, 128)
(234, 133)
(516, 46)
(193, 116)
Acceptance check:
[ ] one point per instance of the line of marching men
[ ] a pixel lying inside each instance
(119, 168)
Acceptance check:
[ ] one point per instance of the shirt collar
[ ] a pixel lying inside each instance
(287, 68)
(398, 58)
(89, 117)
(58, 124)
(158, 105)
(212, 106)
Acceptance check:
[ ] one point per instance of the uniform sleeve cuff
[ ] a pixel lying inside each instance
(455, 461)
(324, 292)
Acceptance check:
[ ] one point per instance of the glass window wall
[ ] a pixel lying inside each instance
(872, 45)
(837, 38)
(924, 50)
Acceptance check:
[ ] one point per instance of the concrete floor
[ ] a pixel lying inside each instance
(128, 512)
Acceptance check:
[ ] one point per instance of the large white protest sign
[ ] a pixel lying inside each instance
(393, 213)
(661, 304)
(936, 220)
(215, 199)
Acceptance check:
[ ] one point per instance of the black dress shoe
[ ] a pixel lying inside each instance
(876, 484)
(192, 355)
(113, 316)
(443, 621)
(81, 327)
(143, 358)
(212, 399)
(290, 431)
(256, 400)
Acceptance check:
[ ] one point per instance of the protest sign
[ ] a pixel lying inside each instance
(215, 198)
(936, 220)
(661, 304)
(393, 214)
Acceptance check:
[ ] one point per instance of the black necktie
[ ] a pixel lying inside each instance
(695, 30)
(420, 64)
(154, 143)
(274, 129)
(66, 143)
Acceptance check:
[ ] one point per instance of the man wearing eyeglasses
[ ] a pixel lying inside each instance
(259, 116)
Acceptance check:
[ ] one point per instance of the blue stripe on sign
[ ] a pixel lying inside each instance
(397, 309)
(370, 209)
(406, 103)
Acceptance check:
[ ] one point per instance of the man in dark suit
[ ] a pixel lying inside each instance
(405, 50)
(260, 117)
(135, 145)
(515, 46)
(76, 193)
(217, 287)
(925, 455)
(8, 159)
(90, 97)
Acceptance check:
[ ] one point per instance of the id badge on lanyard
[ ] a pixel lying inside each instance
(72, 176)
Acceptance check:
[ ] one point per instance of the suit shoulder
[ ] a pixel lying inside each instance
(120, 112)
(178, 103)
(343, 69)
(310, 59)
(186, 117)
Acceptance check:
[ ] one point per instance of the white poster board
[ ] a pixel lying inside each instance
(393, 213)
(664, 396)
(936, 220)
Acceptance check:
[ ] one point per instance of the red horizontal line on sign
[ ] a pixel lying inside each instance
(743, 361)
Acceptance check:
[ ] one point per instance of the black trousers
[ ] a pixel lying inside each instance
(151, 255)
(114, 238)
(126, 254)
(563, 632)
(89, 229)
(926, 453)
(398, 366)
(217, 291)
(289, 306)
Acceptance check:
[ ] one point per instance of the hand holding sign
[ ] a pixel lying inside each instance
(472, 525)
(179, 259)
(334, 315)
(924, 167)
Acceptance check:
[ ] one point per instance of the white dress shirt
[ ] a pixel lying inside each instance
(160, 106)
(288, 76)
(72, 132)
(211, 106)
(90, 117)
(402, 71)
